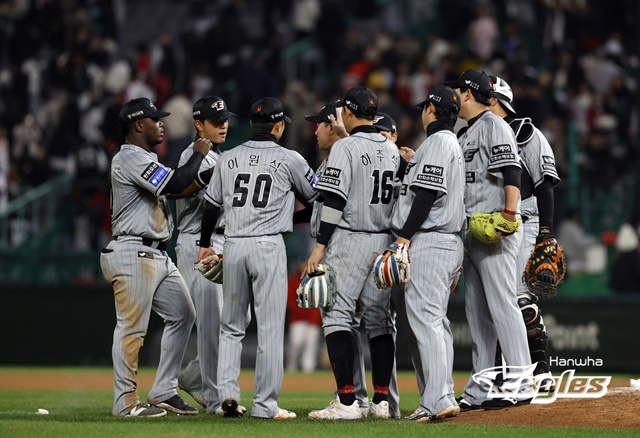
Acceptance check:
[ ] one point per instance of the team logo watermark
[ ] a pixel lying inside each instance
(518, 383)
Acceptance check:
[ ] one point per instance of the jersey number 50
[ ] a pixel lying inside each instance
(382, 187)
(261, 190)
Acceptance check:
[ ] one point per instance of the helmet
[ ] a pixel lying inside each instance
(502, 92)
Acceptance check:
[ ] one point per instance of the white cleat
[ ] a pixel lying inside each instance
(337, 411)
(283, 414)
(380, 410)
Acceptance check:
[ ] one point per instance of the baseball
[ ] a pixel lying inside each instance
(42, 412)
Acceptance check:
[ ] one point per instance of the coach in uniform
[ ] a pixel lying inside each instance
(255, 183)
(135, 263)
(492, 177)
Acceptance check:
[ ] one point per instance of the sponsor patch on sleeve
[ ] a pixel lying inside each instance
(150, 170)
(158, 176)
(431, 174)
(548, 163)
(332, 172)
(330, 176)
(309, 175)
(502, 152)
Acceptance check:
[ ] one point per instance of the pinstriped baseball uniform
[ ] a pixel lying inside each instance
(359, 370)
(143, 278)
(254, 183)
(539, 160)
(200, 376)
(361, 169)
(436, 257)
(490, 269)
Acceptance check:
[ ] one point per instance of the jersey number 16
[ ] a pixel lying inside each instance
(382, 186)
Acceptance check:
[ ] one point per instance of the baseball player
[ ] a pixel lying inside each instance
(355, 222)
(539, 176)
(428, 216)
(254, 183)
(136, 265)
(199, 378)
(492, 176)
(329, 130)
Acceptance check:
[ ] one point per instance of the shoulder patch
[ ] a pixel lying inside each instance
(151, 168)
(332, 172)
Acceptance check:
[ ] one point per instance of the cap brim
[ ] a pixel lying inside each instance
(339, 103)
(315, 118)
(505, 103)
(222, 115)
(158, 115)
(423, 103)
(287, 119)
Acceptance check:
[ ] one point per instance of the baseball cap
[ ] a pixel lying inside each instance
(384, 122)
(323, 116)
(138, 109)
(268, 110)
(444, 97)
(212, 108)
(361, 101)
(502, 91)
(475, 80)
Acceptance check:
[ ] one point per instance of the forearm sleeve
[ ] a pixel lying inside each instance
(512, 176)
(544, 197)
(419, 212)
(183, 176)
(208, 224)
(330, 217)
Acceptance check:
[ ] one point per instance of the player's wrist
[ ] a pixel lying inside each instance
(509, 212)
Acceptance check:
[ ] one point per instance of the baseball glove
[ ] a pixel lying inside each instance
(545, 268)
(395, 269)
(211, 268)
(317, 290)
(485, 226)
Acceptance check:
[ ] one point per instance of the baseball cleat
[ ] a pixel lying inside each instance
(502, 403)
(231, 409)
(142, 410)
(379, 410)
(197, 396)
(177, 405)
(422, 416)
(466, 405)
(337, 411)
(220, 412)
(546, 383)
(283, 414)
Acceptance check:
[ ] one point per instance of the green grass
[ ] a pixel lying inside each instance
(87, 414)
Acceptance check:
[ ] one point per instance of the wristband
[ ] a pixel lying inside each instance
(509, 212)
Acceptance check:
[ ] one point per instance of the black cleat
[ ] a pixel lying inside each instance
(230, 408)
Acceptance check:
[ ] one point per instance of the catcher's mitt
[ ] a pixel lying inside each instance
(545, 268)
(395, 269)
(317, 290)
(485, 226)
(211, 268)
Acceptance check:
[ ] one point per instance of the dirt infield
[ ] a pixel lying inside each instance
(618, 409)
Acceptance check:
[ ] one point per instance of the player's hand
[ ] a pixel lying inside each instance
(399, 241)
(509, 217)
(312, 262)
(202, 145)
(337, 124)
(204, 252)
(406, 153)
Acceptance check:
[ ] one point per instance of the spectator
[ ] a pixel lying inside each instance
(575, 241)
(625, 272)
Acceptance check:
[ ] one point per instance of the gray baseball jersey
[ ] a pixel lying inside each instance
(143, 277)
(361, 169)
(490, 269)
(437, 252)
(314, 223)
(488, 144)
(539, 160)
(254, 182)
(200, 376)
(135, 175)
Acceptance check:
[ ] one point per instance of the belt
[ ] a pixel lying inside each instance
(524, 218)
(368, 232)
(220, 231)
(156, 244)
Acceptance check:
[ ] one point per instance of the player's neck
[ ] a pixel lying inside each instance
(139, 143)
(474, 111)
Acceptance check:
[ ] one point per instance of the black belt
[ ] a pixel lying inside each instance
(156, 244)
(220, 231)
(368, 232)
(524, 218)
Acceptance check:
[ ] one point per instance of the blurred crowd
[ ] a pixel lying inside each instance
(66, 67)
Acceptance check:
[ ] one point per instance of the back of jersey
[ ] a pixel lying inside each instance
(362, 169)
(253, 183)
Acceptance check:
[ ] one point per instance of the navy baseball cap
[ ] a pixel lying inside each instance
(384, 122)
(268, 110)
(444, 97)
(502, 92)
(138, 109)
(360, 100)
(475, 80)
(323, 116)
(212, 108)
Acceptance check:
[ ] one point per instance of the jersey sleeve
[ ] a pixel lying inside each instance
(432, 167)
(336, 176)
(213, 193)
(146, 172)
(303, 178)
(545, 161)
(503, 150)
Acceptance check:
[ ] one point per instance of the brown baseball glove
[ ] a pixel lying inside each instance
(545, 268)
